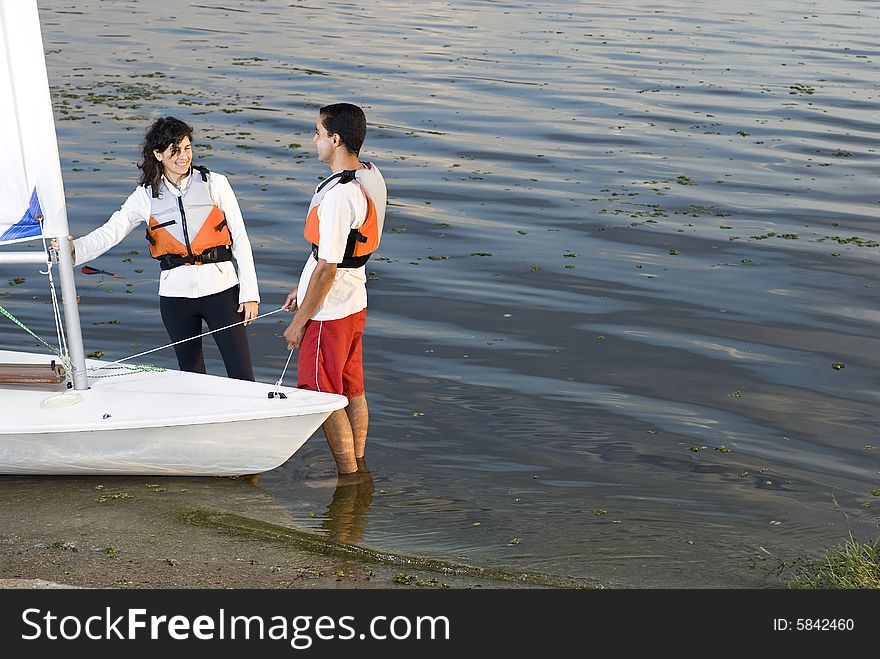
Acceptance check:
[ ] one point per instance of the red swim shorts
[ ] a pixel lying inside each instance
(331, 356)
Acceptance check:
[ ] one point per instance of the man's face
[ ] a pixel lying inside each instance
(323, 142)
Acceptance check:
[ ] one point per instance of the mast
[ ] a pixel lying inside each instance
(31, 159)
(70, 310)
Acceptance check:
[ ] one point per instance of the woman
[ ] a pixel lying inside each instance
(195, 229)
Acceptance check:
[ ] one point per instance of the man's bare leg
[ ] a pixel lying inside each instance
(346, 433)
(358, 419)
(337, 430)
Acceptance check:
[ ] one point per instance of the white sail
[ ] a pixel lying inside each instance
(31, 188)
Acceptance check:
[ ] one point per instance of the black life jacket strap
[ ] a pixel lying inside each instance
(354, 236)
(345, 176)
(217, 254)
(349, 261)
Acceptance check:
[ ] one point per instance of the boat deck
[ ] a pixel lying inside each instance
(32, 373)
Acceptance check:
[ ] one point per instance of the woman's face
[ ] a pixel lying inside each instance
(176, 163)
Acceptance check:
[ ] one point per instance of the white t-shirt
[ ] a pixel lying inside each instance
(342, 209)
(194, 281)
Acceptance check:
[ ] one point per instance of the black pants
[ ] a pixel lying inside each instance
(183, 318)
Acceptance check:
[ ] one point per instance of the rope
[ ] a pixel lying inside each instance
(278, 383)
(61, 351)
(28, 330)
(124, 370)
(64, 354)
(198, 336)
(128, 368)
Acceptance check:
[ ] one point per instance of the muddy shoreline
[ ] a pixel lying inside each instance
(165, 533)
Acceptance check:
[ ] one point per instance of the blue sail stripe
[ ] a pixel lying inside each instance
(29, 226)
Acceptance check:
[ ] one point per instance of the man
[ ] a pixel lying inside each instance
(344, 226)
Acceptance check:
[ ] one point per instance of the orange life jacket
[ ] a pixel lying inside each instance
(174, 220)
(363, 241)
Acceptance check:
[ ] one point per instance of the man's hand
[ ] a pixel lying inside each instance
(319, 286)
(294, 335)
(250, 310)
(290, 302)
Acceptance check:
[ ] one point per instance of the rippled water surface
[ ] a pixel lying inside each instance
(626, 244)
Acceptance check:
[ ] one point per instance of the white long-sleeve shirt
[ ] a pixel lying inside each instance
(192, 281)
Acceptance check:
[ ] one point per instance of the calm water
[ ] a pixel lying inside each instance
(625, 245)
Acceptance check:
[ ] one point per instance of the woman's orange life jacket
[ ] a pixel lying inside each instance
(189, 229)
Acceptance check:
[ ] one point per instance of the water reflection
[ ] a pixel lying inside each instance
(346, 516)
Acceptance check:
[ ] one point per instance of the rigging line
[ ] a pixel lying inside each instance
(284, 370)
(198, 336)
(8, 314)
(56, 308)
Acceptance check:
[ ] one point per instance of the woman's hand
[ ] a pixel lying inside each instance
(250, 309)
(54, 245)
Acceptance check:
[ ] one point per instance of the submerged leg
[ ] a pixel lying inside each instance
(330, 360)
(359, 419)
(346, 433)
(340, 438)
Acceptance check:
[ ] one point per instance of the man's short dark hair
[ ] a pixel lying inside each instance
(347, 121)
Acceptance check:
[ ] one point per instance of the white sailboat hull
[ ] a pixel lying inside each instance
(153, 423)
(138, 423)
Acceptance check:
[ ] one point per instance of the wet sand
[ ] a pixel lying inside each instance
(165, 533)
